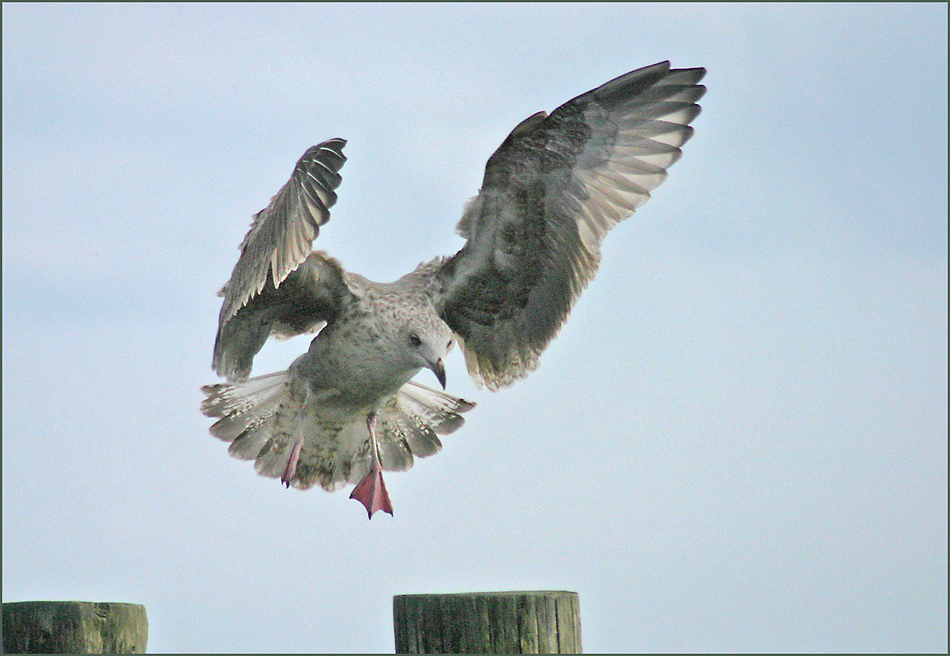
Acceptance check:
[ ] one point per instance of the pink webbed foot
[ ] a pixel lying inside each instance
(371, 492)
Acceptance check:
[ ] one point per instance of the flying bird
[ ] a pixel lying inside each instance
(347, 409)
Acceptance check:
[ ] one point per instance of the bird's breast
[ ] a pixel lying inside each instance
(360, 365)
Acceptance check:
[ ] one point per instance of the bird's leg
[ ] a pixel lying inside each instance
(371, 491)
(290, 471)
(291, 468)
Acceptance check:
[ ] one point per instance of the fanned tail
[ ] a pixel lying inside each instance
(247, 411)
(305, 444)
(410, 424)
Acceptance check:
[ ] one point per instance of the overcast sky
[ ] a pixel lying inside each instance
(737, 442)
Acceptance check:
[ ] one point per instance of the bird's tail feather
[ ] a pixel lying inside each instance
(246, 410)
(409, 425)
(261, 421)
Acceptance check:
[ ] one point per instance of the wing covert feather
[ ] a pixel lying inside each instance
(312, 295)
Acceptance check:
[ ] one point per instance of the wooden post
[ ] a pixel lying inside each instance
(534, 622)
(74, 627)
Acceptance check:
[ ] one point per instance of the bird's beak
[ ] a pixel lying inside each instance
(439, 370)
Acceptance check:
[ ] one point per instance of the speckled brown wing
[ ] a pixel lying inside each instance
(551, 192)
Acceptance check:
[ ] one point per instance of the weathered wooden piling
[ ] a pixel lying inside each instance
(74, 627)
(533, 622)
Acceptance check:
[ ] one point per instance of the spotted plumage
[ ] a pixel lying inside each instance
(346, 410)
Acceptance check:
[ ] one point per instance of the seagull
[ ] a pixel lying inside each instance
(348, 409)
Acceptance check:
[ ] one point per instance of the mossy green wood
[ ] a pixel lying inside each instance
(531, 622)
(74, 627)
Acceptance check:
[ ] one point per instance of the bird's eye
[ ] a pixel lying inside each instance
(415, 340)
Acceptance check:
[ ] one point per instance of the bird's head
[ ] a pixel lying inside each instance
(429, 341)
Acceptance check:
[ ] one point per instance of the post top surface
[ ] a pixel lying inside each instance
(502, 593)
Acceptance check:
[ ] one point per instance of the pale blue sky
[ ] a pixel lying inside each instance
(738, 442)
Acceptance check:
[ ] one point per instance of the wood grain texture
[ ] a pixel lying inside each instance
(74, 627)
(530, 622)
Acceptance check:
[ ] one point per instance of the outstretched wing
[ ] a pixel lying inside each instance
(282, 233)
(269, 291)
(551, 192)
